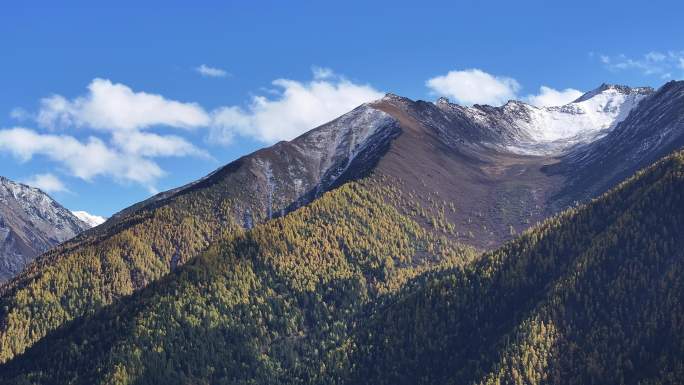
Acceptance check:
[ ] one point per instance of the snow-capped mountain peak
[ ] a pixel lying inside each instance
(30, 223)
(614, 89)
(90, 219)
(550, 130)
(523, 128)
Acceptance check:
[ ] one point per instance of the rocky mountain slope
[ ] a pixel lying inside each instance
(476, 175)
(593, 295)
(490, 162)
(655, 128)
(30, 223)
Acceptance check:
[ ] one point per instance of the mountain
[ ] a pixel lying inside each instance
(554, 130)
(592, 295)
(478, 176)
(298, 279)
(90, 219)
(490, 162)
(655, 128)
(30, 223)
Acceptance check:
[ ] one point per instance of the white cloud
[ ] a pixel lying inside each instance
(46, 182)
(298, 108)
(211, 72)
(123, 143)
(652, 63)
(474, 86)
(114, 106)
(84, 160)
(655, 56)
(125, 116)
(153, 145)
(548, 97)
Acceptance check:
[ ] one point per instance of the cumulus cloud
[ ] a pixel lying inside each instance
(297, 108)
(46, 182)
(474, 86)
(211, 72)
(121, 145)
(115, 125)
(83, 159)
(115, 106)
(153, 145)
(548, 97)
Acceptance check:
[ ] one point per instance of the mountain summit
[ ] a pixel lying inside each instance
(328, 295)
(607, 88)
(474, 176)
(499, 166)
(30, 223)
(554, 130)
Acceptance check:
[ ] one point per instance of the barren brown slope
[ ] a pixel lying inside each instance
(145, 242)
(432, 160)
(494, 194)
(452, 167)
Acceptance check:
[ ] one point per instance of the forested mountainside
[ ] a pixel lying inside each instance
(267, 305)
(30, 223)
(483, 173)
(593, 295)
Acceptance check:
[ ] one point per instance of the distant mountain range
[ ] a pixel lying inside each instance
(503, 168)
(30, 223)
(90, 219)
(289, 250)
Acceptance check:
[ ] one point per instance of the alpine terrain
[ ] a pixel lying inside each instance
(403, 242)
(30, 223)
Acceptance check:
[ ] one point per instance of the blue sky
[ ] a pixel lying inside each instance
(104, 105)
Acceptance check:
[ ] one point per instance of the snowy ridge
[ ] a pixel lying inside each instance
(37, 205)
(333, 147)
(30, 223)
(552, 130)
(343, 138)
(473, 150)
(90, 219)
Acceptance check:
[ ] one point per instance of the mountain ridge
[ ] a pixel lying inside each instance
(247, 311)
(31, 222)
(457, 173)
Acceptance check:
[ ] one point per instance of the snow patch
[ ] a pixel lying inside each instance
(549, 130)
(90, 219)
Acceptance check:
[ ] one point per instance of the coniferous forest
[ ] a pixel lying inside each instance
(341, 193)
(351, 289)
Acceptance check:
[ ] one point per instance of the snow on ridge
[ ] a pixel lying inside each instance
(27, 204)
(90, 219)
(550, 130)
(30, 199)
(344, 137)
